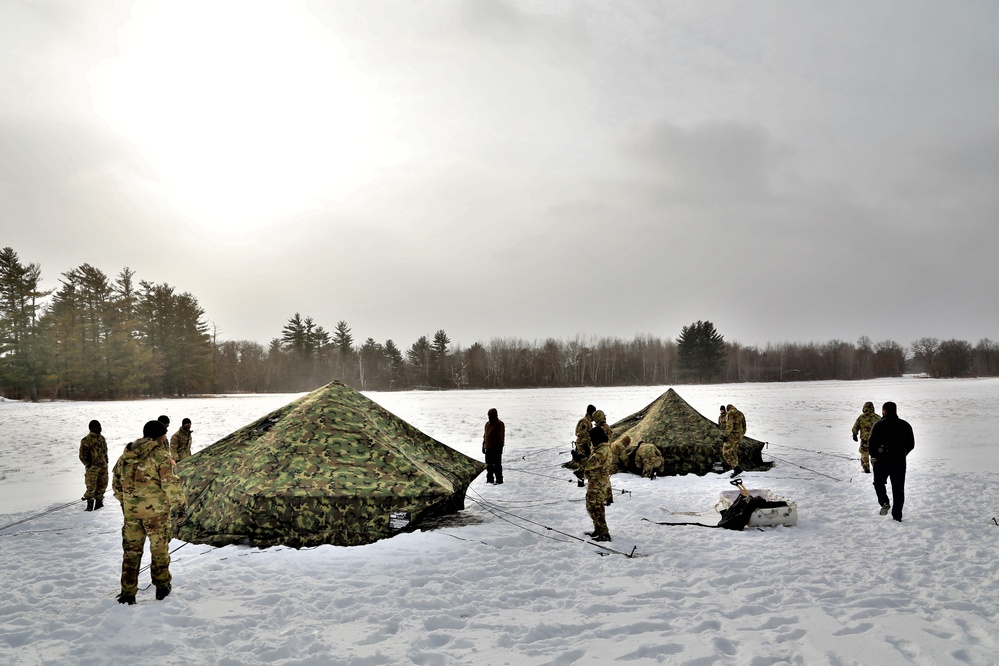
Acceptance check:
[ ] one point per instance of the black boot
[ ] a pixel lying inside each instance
(736, 472)
(162, 591)
(90, 505)
(126, 599)
(98, 504)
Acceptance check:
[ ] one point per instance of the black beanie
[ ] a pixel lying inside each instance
(153, 429)
(95, 426)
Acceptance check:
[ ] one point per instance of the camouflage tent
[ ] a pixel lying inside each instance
(331, 467)
(690, 443)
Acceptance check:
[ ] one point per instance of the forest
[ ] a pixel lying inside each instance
(101, 338)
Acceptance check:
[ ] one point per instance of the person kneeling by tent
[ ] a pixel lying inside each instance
(596, 471)
(649, 460)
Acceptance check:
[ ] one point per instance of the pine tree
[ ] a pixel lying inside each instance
(700, 351)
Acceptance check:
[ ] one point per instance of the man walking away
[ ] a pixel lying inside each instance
(890, 443)
(863, 426)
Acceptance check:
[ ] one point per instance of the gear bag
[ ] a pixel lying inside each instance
(736, 517)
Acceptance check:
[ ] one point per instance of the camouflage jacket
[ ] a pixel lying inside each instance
(865, 422)
(94, 450)
(735, 422)
(180, 445)
(598, 465)
(648, 457)
(583, 427)
(144, 480)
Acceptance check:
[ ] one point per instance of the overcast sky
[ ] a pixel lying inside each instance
(791, 171)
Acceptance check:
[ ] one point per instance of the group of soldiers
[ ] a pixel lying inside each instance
(145, 482)
(597, 455)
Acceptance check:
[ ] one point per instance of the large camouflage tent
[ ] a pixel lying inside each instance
(690, 442)
(332, 467)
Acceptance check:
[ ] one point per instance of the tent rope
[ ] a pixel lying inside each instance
(813, 471)
(43, 513)
(493, 509)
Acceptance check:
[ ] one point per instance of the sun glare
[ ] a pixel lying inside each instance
(249, 112)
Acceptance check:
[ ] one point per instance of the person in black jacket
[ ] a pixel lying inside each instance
(493, 439)
(891, 441)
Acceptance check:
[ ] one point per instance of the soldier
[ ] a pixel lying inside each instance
(180, 443)
(620, 453)
(649, 459)
(863, 425)
(148, 487)
(721, 418)
(94, 456)
(598, 486)
(600, 421)
(735, 429)
(581, 447)
(493, 440)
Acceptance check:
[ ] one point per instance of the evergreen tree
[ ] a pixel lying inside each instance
(700, 351)
(21, 352)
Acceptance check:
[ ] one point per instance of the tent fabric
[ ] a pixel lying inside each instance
(332, 467)
(690, 442)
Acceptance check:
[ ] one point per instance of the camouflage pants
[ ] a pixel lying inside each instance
(133, 540)
(865, 455)
(730, 450)
(96, 479)
(596, 496)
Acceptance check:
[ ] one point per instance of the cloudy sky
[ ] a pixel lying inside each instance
(791, 171)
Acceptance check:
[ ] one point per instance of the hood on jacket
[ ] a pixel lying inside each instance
(868, 407)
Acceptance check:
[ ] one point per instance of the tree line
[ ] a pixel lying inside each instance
(97, 337)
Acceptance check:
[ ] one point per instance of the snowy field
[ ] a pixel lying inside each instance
(512, 579)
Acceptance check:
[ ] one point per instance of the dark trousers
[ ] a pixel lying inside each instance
(494, 466)
(894, 470)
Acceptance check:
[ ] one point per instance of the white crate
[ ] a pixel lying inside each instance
(783, 515)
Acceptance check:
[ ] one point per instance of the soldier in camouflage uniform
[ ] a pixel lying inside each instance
(146, 484)
(581, 447)
(94, 456)
(180, 443)
(600, 421)
(598, 486)
(649, 459)
(735, 429)
(721, 418)
(863, 426)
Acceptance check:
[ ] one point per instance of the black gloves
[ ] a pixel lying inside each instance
(855, 437)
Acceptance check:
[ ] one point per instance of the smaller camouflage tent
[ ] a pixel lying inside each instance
(690, 443)
(331, 467)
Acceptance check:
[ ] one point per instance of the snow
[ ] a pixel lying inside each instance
(512, 580)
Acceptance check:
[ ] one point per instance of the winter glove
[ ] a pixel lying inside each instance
(855, 437)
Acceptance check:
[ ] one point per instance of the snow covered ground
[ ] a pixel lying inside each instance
(512, 581)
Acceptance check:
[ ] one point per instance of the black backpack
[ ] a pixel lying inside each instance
(736, 517)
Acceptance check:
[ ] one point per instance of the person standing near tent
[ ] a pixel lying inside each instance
(94, 456)
(180, 443)
(721, 418)
(598, 488)
(735, 430)
(493, 440)
(600, 421)
(890, 443)
(581, 447)
(146, 484)
(863, 426)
